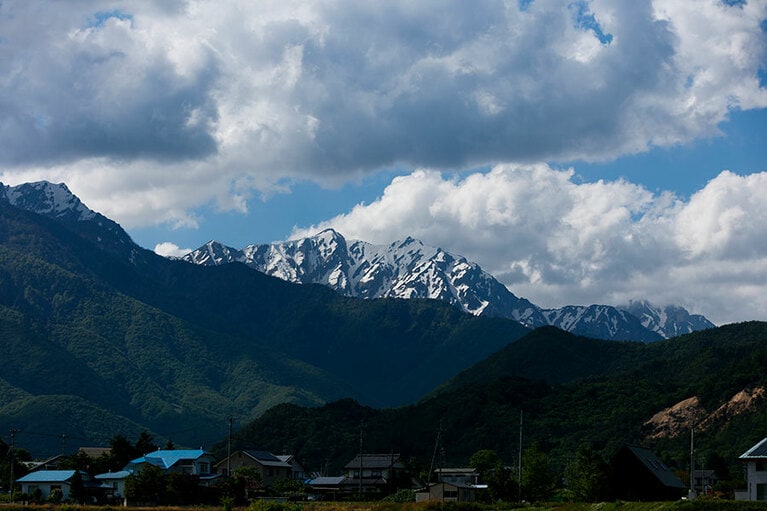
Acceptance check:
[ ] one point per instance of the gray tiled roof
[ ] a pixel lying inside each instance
(375, 461)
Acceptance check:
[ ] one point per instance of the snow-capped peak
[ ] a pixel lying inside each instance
(49, 199)
(411, 269)
(56, 201)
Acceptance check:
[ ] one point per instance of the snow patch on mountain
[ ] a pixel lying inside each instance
(403, 269)
(56, 201)
(49, 199)
(668, 321)
(410, 269)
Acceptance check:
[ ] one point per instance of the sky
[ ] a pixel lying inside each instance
(580, 151)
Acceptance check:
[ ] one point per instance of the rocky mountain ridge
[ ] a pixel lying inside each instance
(403, 269)
(411, 269)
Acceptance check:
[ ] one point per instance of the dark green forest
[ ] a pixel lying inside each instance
(570, 391)
(100, 338)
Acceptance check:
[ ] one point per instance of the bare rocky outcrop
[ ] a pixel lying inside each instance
(688, 413)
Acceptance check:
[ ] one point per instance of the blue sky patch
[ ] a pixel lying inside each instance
(101, 17)
(585, 20)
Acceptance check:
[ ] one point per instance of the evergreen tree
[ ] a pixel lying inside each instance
(121, 452)
(145, 444)
(77, 488)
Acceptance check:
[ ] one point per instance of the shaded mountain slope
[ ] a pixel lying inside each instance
(175, 348)
(603, 407)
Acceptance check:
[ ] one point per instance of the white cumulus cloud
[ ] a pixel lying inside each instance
(557, 241)
(168, 249)
(167, 106)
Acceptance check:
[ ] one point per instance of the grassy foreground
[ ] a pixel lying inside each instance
(698, 505)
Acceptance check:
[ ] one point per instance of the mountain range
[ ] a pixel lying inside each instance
(411, 269)
(100, 336)
(565, 392)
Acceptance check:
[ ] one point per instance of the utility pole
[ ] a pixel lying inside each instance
(362, 425)
(692, 463)
(229, 450)
(434, 454)
(13, 461)
(519, 461)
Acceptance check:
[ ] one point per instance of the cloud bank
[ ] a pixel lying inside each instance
(149, 109)
(556, 241)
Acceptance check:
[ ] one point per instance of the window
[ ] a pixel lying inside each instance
(761, 491)
(451, 494)
(761, 466)
(204, 468)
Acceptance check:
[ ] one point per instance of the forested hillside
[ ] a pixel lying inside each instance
(100, 338)
(570, 392)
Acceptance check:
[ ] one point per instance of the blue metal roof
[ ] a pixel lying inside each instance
(166, 459)
(47, 476)
(122, 474)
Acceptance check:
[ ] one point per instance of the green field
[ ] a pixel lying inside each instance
(702, 505)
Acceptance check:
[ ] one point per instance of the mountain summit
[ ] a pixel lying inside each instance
(411, 269)
(57, 202)
(403, 269)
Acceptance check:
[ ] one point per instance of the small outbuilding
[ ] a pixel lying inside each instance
(447, 492)
(639, 475)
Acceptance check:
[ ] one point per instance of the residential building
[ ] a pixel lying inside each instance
(51, 463)
(47, 481)
(113, 484)
(756, 472)
(183, 461)
(448, 492)
(266, 464)
(299, 472)
(374, 473)
(466, 476)
(704, 481)
(641, 475)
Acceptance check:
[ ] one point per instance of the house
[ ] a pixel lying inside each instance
(466, 476)
(640, 475)
(374, 472)
(267, 465)
(184, 461)
(328, 486)
(704, 481)
(366, 473)
(51, 463)
(756, 472)
(46, 481)
(113, 484)
(447, 492)
(299, 472)
(95, 452)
